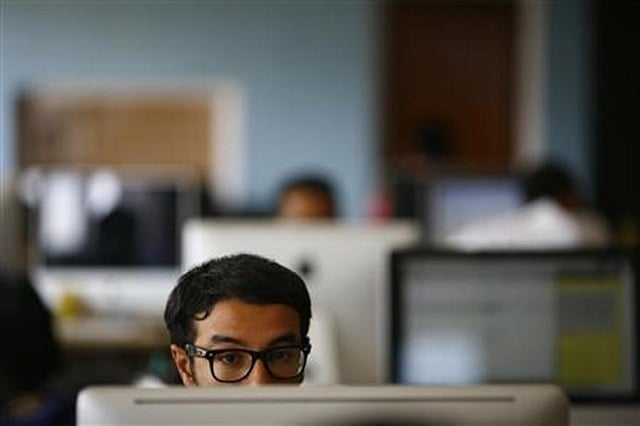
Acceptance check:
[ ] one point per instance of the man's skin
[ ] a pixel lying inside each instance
(305, 204)
(234, 324)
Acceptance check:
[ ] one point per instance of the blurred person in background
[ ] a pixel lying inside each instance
(30, 358)
(307, 197)
(554, 216)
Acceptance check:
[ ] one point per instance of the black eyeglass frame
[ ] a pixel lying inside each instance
(196, 351)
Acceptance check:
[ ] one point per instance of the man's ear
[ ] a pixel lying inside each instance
(183, 365)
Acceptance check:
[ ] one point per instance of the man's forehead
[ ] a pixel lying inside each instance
(248, 322)
(238, 307)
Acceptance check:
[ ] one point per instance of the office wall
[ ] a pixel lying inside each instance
(307, 70)
(570, 98)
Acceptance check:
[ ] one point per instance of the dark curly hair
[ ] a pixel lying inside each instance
(550, 180)
(250, 278)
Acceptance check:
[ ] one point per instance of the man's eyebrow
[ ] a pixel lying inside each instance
(221, 338)
(288, 337)
(285, 338)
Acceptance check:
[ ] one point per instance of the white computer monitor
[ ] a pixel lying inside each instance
(325, 405)
(108, 237)
(345, 266)
(567, 317)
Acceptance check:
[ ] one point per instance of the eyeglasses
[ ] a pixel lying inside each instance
(234, 365)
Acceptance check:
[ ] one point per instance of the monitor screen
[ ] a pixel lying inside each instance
(325, 405)
(509, 317)
(451, 202)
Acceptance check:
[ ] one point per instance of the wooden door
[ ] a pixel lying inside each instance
(449, 82)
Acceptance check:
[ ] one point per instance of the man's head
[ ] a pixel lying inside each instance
(307, 198)
(224, 311)
(552, 181)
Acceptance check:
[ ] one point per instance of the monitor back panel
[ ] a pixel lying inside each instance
(330, 405)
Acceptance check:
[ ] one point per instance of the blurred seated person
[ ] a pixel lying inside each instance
(307, 197)
(553, 217)
(31, 356)
(239, 319)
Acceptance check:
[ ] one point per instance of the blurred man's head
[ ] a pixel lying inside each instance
(239, 319)
(551, 181)
(307, 198)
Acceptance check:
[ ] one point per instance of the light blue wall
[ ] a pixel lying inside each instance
(570, 130)
(308, 69)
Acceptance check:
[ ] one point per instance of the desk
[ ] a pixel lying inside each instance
(114, 350)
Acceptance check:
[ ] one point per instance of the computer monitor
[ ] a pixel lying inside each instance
(453, 201)
(345, 267)
(505, 317)
(443, 204)
(325, 405)
(108, 237)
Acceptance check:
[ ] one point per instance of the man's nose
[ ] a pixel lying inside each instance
(259, 375)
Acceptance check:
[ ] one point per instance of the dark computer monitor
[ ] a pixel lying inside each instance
(111, 217)
(509, 317)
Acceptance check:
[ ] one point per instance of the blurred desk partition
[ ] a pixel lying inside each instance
(102, 349)
(102, 332)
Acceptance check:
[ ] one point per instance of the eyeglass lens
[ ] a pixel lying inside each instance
(283, 363)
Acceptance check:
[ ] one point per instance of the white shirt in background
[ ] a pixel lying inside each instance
(539, 225)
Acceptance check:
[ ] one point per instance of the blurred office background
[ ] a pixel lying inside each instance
(364, 92)
(232, 98)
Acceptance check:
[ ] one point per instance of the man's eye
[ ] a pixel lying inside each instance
(229, 358)
(281, 355)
